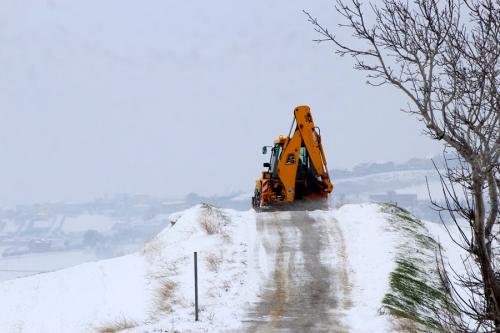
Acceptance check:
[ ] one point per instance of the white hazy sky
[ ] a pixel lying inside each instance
(170, 97)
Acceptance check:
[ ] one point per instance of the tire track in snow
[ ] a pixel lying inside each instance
(309, 287)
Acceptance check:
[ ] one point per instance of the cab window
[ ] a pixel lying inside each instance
(275, 157)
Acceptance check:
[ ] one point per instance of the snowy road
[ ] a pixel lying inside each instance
(308, 291)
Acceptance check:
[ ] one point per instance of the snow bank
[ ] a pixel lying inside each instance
(370, 256)
(227, 270)
(378, 240)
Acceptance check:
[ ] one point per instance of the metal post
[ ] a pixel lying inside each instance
(196, 286)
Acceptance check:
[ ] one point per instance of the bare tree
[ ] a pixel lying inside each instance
(444, 56)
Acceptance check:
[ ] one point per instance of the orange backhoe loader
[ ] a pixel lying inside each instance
(296, 174)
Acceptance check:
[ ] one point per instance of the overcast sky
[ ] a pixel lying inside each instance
(167, 98)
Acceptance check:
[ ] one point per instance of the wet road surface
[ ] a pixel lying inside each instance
(309, 286)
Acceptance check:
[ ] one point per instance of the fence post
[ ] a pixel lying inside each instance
(196, 285)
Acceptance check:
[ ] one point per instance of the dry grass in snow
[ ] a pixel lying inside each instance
(213, 262)
(165, 296)
(117, 326)
(213, 221)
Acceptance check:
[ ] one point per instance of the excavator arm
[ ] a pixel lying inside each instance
(305, 135)
(312, 142)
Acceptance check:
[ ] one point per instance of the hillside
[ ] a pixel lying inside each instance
(241, 256)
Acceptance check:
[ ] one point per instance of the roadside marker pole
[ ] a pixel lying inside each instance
(196, 286)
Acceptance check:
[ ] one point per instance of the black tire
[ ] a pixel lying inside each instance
(256, 200)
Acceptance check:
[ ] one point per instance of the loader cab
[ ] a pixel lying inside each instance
(274, 159)
(307, 177)
(304, 164)
(305, 169)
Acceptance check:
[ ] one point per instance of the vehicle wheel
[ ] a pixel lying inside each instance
(256, 200)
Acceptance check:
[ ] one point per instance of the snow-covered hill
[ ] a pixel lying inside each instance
(153, 290)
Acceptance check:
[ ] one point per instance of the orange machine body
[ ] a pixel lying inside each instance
(297, 170)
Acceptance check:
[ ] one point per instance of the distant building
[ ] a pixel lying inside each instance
(403, 200)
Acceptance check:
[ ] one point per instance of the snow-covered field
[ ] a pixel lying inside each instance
(153, 290)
